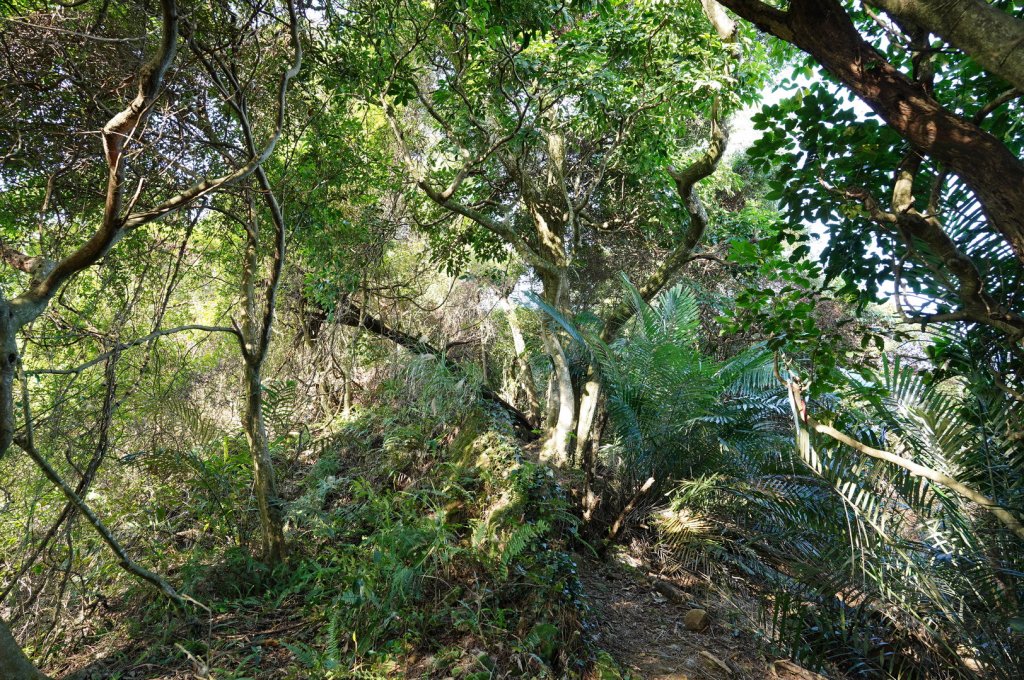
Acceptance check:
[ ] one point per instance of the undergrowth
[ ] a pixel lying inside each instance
(450, 560)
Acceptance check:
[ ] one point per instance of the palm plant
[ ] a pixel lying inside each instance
(868, 566)
(951, 569)
(862, 564)
(674, 412)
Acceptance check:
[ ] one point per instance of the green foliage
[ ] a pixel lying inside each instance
(862, 565)
(787, 299)
(824, 157)
(466, 547)
(421, 527)
(628, 88)
(876, 571)
(676, 413)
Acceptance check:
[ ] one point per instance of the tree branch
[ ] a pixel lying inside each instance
(490, 224)
(992, 37)
(803, 418)
(1003, 515)
(116, 133)
(686, 181)
(358, 317)
(135, 343)
(27, 444)
(824, 30)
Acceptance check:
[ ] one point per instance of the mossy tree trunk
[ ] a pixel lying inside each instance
(256, 336)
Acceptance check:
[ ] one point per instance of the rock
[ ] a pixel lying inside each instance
(696, 620)
(631, 561)
(671, 591)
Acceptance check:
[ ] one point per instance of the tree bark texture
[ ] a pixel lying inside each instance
(265, 481)
(987, 34)
(556, 447)
(589, 399)
(255, 344)
(523, 374)
(8, 367)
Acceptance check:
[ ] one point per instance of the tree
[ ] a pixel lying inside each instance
(13, 662)
(826, 31)
(120, 215)
(254, 333)
(910, 198)
(540, 134)
(982, 30)
(132, 144)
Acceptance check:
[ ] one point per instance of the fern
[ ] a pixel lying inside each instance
(279, 400)
(520, 539)
(867, 567)
(332, 649)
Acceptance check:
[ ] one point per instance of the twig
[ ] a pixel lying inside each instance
(27, 444)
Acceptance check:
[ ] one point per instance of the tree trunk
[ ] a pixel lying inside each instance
(523, 374)
(8, 367)
(556, 448)
(346, 397)
(14, 665)
(264, 482)
(550, 403)
(987, 34)
(353, 355)
(589, 399)
(590, 460)
(271, 516)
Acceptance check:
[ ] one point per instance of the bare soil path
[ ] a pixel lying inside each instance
(641, 622)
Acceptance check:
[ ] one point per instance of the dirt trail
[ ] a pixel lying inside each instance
(644, 630)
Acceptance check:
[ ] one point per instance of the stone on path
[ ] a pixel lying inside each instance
(787, 670)
(696, 620)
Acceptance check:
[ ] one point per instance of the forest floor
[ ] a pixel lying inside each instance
(641, 621)
(643, 630)
(638, 622)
